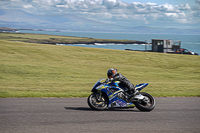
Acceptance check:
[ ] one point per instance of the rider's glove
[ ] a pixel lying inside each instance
(107, 80)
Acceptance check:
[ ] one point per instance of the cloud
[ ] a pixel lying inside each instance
(111, 10)
(198, 1)
(27, 6)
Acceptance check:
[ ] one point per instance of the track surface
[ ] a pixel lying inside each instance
(72, 115)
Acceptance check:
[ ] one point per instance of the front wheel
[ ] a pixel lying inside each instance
(96, 101)
(147, 104)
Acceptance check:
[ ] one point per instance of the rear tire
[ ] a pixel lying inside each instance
(147, 104)
(96, 104)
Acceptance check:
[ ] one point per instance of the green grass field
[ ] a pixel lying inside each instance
(41, 70)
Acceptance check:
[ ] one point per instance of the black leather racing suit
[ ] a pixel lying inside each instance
(123, 82)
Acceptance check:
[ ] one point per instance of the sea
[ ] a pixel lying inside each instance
(190, 42)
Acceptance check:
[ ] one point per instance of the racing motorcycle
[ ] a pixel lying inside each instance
(107, 95)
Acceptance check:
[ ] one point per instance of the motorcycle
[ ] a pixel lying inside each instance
(107, 95)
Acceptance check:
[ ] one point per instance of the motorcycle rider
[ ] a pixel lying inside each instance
(113, 75)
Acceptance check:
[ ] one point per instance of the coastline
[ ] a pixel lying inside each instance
(58, 39)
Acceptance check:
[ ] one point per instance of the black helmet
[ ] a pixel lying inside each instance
(111, 72)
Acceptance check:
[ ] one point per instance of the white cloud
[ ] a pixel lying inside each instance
(28, 6)
(173, 15)
(112, 10)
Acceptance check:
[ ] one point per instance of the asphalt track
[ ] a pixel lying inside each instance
(72, 115)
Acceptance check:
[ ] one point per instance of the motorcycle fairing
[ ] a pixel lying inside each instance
(141, 86)
(112, 90)
(116, 102)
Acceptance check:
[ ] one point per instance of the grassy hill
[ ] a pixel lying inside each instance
(39, 70)
(53, 39)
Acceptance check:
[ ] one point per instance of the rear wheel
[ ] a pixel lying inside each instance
(147, 104)
(97, 101)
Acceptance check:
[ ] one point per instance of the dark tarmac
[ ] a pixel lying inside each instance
(73, 115)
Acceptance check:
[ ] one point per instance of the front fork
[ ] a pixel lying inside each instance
(99, 96)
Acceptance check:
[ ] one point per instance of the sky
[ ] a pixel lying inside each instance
(181, 14)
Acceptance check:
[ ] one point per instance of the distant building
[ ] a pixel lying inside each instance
(165, 46)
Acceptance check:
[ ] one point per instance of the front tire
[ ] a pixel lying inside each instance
(147, 104)
(97, 101)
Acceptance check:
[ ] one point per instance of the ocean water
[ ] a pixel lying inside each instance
(190, 42)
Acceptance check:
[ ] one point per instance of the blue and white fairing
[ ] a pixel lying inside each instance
(114, 92)
(139, 87)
